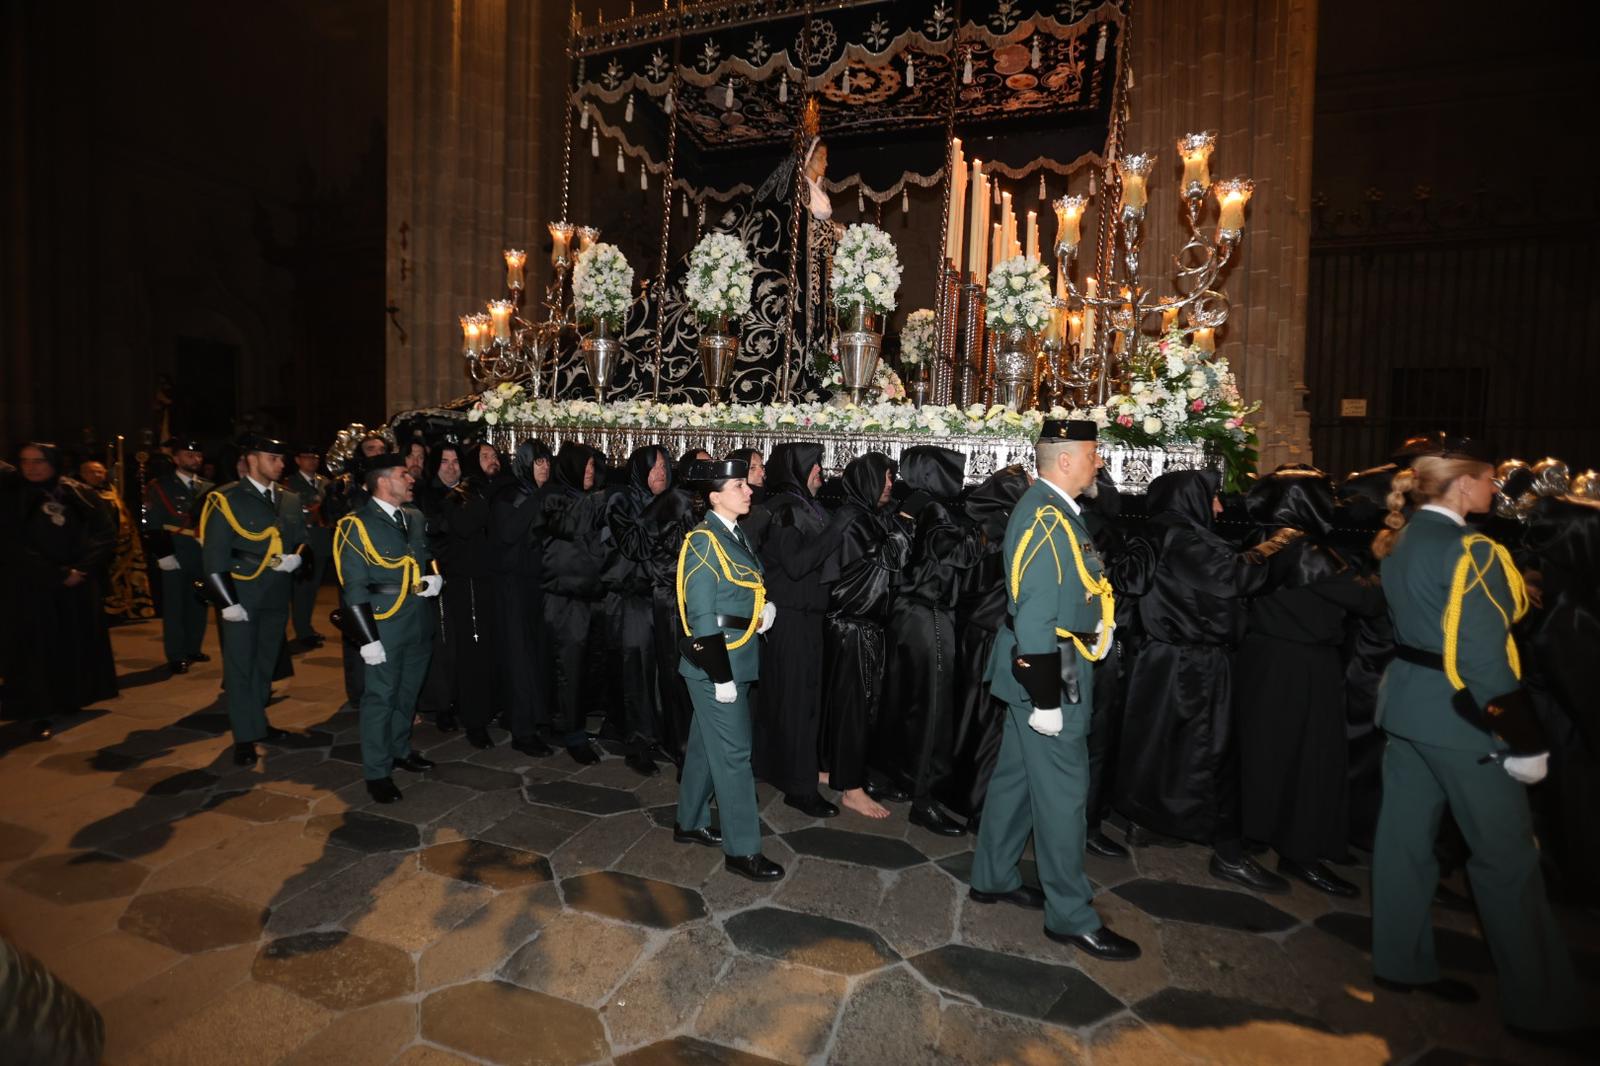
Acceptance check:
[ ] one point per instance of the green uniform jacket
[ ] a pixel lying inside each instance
(171, 516)
(1414, 701)
(707, 588)
(358, 572)
(1051, 594)
(313, 494)
(225, 552)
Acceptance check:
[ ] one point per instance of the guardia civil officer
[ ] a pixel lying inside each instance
(251, 533)
(721, 609)
(312, 488)
(381, 552)
(1061, 620)
(172, 522)
(1461, 732)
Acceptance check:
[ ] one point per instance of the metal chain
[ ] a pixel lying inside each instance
(666, 216)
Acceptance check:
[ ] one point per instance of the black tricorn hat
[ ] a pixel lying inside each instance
(1068, 429)
(308, 449)
(708, 471)
(255, 442)
(1451, 447)
(183, 444)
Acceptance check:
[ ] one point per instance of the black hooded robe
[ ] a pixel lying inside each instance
(1182, 777)
(438, 695)
(469, 622)
(629, 605)
(1289, 688)
(798, 537)
(915, 744)
(668, 517)
(575, 558)
(516, 569)
(859, 574)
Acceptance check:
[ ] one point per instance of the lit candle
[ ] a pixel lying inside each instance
(1008, 225)
(1232, 195)
(471, 342)
(1033, 236)
(997, 248)
(561, 244)
(1069, 222)
(1135, 171)
(1205, 338)
(1074, 328)
(515, 258)
(1169, 316)
(976, 226)
(1090, 288)
(500, 315)
(587, 235)
(1195, 148)
(958, 203)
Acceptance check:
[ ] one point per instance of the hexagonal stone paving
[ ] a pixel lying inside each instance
(500, 1022)
(576, 796)
(258, 805)
(538, 829)
(194, 919)
(810, 940)
(1455, 950)
(79, 763)
(480, 778)
(687, 1051)
(481, 863)
(1058, 994)
(212, 722)
(18, 842)
(1205, 906)
(350, 753)
(291, 741)
(863, 849)
(79, 876)
(336, 969)
(166, 780)
(666, 816)
(959, 866)
(364, 832)
(633, 899)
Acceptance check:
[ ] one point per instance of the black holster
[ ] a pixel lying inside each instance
(357, 623)
(218, 588)
(1050, 679)
(1511, 717)
(709, 654)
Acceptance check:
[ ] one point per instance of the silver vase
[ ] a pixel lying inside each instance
(719, 347)
(1013, 369)
(860, 344)
(600, 351)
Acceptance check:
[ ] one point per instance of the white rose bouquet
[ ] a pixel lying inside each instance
(917, 340)
(1019, 295)
(602, 285)
(866, 269)
(720, 277)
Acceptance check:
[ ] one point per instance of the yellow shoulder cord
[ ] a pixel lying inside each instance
(1048, 519)
(1468, 576)
(736, 573)
(218, 502)
(410, 572)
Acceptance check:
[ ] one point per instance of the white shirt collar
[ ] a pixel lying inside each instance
(310, 479)
(187, 478)
(388, 508)
(1439, 508)
(1059, 491)
(724, 521)
(265, 490)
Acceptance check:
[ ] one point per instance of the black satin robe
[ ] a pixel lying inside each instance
(575, 558)
(668, 517)
(629, 606)
(469, 622)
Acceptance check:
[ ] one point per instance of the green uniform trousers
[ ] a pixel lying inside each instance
(249, 659)
(303, 593)
(717, 760)
(389, 693)
(1048, 775)
(183, 615)
(1538, 988)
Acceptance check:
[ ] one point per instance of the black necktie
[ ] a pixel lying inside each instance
(400, 517)
(738, 535)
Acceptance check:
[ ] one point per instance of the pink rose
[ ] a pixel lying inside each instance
(1232, 423)
(1125, 420)
(1198, 405)
(1162, 347)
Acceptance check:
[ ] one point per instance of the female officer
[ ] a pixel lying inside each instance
(721, 608)
(1459, 733)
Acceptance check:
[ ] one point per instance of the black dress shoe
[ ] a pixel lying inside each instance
(1097, 843)
(812, 806)
(1140, 837)
(532, 746)
(1102, 944)
(445, 722)
(1318, 877)
(313, 642)
(198, 657)
(583, 754)
(887, 793)
(178, 666)
(1249, 873)
(42, 729)
(383, 790)
(479, 738)
(708, 836)
(756, 867)
(934, 820)
(642, 764)
(1022, 896)
(1446, 988)
(415, 763)
(244, 755)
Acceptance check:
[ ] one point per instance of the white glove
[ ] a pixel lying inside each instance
(168, 562)
(1045, 721)
(727, 692)
(235, 613)
(373, 654)
(430, 586)
(1528, 769)
(287, 564)
(769, 614)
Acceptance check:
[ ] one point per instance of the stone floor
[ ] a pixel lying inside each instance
(516, 910)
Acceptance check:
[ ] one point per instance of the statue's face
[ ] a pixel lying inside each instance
(817, 165)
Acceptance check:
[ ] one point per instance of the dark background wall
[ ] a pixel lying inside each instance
(1453, 272)
(193, 190)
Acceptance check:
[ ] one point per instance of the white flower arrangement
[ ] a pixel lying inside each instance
(1018, 296)
(917, 339)
(884, 379)
(866, 269)
(602, 285)
(720, 277)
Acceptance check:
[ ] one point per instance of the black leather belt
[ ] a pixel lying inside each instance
(728, 621)
(384, 590)
(1417, 657)
(247, 559)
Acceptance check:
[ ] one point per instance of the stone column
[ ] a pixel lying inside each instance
(1245, 68)
(475, 97)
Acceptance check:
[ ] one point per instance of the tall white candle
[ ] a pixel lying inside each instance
(1033, 235)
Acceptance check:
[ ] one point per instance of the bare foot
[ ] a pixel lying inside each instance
(858, 800)
(822, 778)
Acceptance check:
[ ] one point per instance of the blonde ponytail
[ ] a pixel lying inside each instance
(1400, 489)
(1427, 480)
